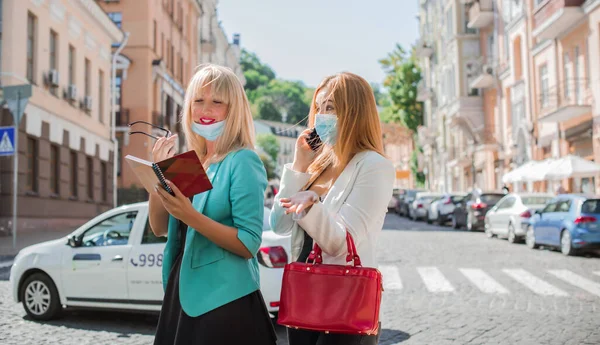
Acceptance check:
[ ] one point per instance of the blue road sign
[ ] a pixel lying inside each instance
(7, 141)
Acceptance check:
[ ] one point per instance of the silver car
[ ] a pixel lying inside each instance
(505, 218)
(418, 208)
(441, 210)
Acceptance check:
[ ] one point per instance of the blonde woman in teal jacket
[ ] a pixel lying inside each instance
(210, 272)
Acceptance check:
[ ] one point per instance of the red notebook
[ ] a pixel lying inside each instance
(184, 170)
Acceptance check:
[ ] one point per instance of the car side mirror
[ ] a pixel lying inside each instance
(74, 241)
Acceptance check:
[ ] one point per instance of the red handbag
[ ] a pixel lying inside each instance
(331, 298)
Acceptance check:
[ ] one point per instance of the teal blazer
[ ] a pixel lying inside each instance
(211, 276)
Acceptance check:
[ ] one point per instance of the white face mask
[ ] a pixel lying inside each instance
(326, 127)
(209, 132)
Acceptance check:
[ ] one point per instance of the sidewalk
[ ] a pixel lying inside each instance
(28, 238)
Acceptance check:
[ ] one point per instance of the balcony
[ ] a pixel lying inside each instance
(554, 17)
(122, 118)
(481, 14)
(423, 49)
(485, 74)
(424, 93)
(468, 113)
(566, 101)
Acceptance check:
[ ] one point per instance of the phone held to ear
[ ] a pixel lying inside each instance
(314, 141)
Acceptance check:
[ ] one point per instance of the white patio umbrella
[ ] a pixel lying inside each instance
(571, 166)
(538, 171)
(516, 175)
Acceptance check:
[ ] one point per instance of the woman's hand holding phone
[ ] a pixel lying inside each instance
(304, 154)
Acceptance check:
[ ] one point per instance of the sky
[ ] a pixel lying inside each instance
(308, 40)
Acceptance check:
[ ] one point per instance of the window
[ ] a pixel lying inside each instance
(53, 50)
(31, 27)
(118, 84)
(172, 59)
(32, 165)
(180, 16)
(168, 55)
(113, 231)
(181, 68)
(101, 96)
(71, 65)
(535, 200)
(567, 76)
(162, 46)
(551, 207)
(154, 33)
(103, 181)
(54, 170)
(87, 78)
(544, 86)
(90, 178)
(74, 173)
(150, 238)
(116, 17)
(577, 78)
(563, 206)
(591, 206)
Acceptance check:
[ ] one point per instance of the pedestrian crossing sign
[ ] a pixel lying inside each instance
(7, 141)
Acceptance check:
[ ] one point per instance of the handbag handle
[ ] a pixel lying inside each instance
(316, 255)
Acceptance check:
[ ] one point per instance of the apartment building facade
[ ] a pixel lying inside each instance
(537, 77)
(63, 49)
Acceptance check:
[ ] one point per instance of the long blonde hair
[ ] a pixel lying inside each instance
(239, 126)
(359, 128)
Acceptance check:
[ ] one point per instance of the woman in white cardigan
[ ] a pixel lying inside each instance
(344, 185)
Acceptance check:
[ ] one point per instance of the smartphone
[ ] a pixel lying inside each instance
(314, 141)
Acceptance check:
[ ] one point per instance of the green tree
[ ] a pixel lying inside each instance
(269, 165)
(281, 97)
(269, 144)
(255, 71)
(402, 79)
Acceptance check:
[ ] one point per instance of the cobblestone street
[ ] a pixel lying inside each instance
(443, 286)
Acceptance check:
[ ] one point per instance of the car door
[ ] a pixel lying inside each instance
(503, 217)
(556, 221)
(144, 272)
(541, 225)
(460, 210)
(492, 216)
(95, 269)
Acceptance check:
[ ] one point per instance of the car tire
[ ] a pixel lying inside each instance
(530, 238)
(566, 244)
(512, 237)
(429, 221)
(40, 297)
(439, 220)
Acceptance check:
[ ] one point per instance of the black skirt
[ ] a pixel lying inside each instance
(243, 321)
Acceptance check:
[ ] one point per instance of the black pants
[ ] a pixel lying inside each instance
(303, 337)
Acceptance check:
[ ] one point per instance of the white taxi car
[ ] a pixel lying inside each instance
(114, 262)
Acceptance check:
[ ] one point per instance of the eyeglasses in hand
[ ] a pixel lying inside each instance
(167, 132)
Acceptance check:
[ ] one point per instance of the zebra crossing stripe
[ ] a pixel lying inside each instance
(483, 281)
(534, 283)
(577, 280)
(391, 277)
(434, 279)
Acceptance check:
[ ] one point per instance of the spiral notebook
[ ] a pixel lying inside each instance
(184, 170)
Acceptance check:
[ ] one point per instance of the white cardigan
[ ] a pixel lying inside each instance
(357, 201)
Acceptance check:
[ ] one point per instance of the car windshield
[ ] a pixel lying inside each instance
(591, 206)
(491, 199)
(535, 200)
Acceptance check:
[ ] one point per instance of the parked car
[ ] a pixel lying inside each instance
(471, 210)
(418, 209)
(270, 192)
(393, 204)
(505, 219)
(569, 222)
(114, 261)
(404, 203)
(441, 210)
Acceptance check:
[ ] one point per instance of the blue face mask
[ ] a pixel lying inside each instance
(326, 127)
(209, 132)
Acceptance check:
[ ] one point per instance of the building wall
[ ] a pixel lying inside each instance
(163, 50)
(53, 120)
